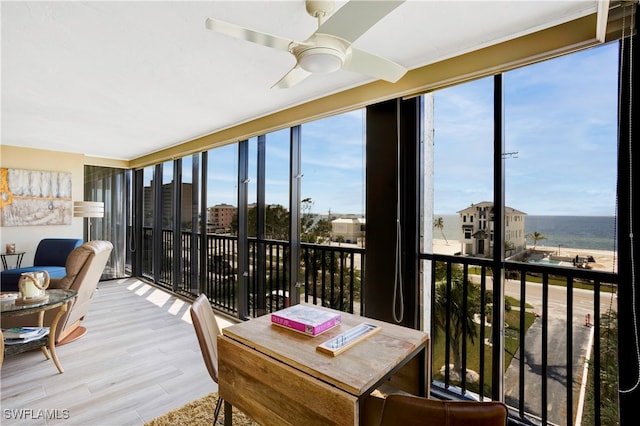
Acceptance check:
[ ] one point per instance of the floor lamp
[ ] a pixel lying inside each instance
(88, 209)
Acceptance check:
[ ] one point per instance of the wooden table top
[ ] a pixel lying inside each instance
(355, 371)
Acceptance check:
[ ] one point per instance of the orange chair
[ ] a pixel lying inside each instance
(409, 410)
(207, 331)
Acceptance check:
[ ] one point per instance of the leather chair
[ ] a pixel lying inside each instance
(408, 410)
(207, 331)
(83, 267)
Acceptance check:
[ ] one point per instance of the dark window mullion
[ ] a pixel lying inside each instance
(156, 233)
(243, 241)
(177, 226)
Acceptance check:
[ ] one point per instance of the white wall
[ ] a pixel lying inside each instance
(26, 238)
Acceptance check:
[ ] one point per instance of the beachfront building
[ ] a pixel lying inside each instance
(349, 230)
(477, 230)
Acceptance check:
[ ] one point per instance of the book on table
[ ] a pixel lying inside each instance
(18, 335)
(306, 319)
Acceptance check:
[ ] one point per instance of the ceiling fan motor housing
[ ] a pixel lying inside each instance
(321, 53)
(320, 59)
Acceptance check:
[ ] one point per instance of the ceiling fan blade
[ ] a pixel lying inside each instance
(242, 33)
(375, 66)
(356, 17)
(293, 77)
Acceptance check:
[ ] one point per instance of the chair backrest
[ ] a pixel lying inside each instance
(409, 410)
(84, 267)
(207, 331)
(54, 251)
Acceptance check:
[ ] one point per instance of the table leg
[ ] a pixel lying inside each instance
(41, 324)
(228, 414)
(52, 336)
(424, 372)
(1, 347)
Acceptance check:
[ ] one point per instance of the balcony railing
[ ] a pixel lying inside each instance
(555, 320)
(330, 275)
(555, 317)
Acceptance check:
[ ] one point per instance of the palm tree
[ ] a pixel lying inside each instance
(460, 320)
(509, 246)
(536, 236)
(439, 224)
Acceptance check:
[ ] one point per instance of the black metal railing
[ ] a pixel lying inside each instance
(552, 333)
(329, 275)
(333, 276)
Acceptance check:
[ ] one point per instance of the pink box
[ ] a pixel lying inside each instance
(306, 319)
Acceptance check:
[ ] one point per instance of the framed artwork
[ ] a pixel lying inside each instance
(35, 197)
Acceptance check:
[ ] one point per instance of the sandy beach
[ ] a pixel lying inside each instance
(605, 260)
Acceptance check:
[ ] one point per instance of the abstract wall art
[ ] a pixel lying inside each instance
(35, 197)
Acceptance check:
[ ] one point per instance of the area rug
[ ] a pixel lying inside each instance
(199, 413)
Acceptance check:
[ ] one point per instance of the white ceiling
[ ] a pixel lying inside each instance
(123, 79)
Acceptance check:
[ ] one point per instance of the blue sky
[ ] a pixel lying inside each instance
(560, 118)
(332, 166)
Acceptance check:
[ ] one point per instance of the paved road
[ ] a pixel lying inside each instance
(556, 348)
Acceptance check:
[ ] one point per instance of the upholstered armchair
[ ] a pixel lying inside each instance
(84, 267)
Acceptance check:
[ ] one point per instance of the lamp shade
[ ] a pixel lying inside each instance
(88, 209)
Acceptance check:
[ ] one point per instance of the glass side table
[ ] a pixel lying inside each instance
(55, 298)
(4, 255)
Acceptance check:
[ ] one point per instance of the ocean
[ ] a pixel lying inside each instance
(584, 232)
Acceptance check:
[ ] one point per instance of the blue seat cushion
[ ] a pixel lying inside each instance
(51, 255)
(9, 279)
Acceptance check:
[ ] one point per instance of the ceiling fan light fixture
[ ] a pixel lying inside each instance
(321, 59)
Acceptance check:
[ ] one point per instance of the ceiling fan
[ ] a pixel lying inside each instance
(329, 48)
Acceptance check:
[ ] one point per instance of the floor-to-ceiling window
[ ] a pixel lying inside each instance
(222, 206)
(463, 192)
(524, 164)
(110, 186)
(147, 210)
(166, 212)
(560, 165)
(188, 229)
(272, 246)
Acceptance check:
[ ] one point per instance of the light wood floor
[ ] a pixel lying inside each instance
(139, 359)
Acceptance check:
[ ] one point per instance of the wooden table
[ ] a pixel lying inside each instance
(276, 375)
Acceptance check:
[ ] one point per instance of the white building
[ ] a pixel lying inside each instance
(477, 230)
(349, 229)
